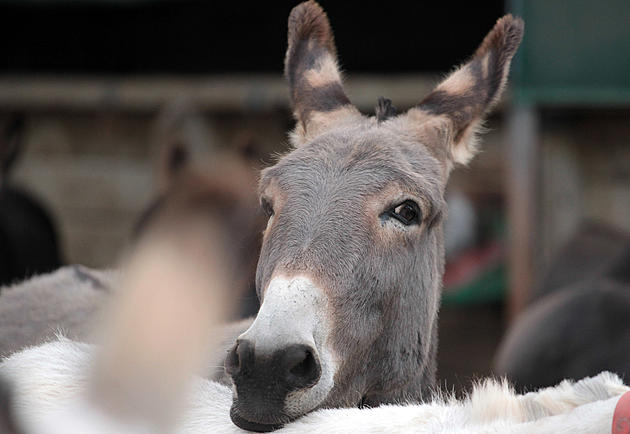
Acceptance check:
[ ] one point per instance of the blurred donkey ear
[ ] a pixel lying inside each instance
(319, 101)
(182, 138)
(467, 94)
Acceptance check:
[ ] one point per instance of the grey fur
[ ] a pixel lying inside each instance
(385, 298)
(65, 301)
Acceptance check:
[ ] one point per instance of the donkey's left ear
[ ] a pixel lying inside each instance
(467, 94)
(317, 95)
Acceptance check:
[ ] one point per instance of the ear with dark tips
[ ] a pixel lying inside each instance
(310, 66)
(467, 94)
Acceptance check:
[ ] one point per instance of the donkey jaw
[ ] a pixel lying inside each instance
(282, 366)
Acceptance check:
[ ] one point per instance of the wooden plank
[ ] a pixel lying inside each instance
(522, 205)
(233, 92)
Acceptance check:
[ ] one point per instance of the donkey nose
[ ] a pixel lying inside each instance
(293, 367)
(301, 368)
(239, 358)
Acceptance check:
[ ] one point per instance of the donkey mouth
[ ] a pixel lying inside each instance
(249, 425)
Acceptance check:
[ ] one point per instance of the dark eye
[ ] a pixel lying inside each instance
(266, 207)
(408, 213)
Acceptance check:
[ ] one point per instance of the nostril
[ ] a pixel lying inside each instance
(305, 366)
(239, 357)
(232, 361)
(302, 366)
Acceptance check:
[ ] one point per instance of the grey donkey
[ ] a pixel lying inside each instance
(352, 258)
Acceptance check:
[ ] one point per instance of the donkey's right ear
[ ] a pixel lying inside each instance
(319, 101)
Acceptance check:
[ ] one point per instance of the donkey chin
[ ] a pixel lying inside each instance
(281, 366)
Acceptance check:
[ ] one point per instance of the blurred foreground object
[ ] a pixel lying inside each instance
(586, 406)
(210, 191)
(176, 288)
(193, 176)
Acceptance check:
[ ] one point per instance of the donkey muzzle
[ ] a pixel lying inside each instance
(281, 366)
(293, 367)
(264, 381)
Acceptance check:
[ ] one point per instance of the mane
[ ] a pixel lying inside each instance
(384, 109)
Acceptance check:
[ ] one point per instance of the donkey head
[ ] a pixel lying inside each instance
(351, 264)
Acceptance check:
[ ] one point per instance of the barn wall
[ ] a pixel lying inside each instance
(90, 152)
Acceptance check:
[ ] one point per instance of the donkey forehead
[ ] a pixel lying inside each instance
(363, 162)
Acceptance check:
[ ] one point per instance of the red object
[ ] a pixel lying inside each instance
(471, 264)
(621, 417)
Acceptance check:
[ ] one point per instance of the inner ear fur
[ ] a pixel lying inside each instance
(467, 94)
(310, 67)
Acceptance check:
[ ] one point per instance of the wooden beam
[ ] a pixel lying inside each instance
(218, 93)
(522, 176)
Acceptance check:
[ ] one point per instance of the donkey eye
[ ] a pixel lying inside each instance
(407, 213)
(266, 207)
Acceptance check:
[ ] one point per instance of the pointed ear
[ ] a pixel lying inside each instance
(310, 66)
(466, 95)
(182, 138)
